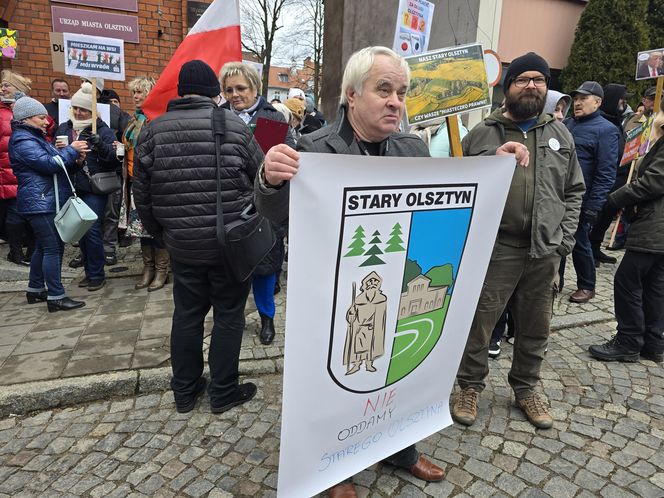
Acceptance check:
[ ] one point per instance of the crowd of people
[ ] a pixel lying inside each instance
(198, 168)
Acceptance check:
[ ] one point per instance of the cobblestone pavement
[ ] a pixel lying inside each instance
(121, 328)
(606, 441)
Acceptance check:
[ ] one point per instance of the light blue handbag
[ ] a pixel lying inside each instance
(75, 218)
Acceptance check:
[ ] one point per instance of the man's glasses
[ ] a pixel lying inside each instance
(538, 81)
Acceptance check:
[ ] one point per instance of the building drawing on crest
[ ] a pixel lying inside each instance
(420, 297)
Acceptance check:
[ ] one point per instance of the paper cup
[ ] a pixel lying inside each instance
(62, 139)
(120, 151)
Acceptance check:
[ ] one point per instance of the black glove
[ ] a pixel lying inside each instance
(588, 216)
(94, 140)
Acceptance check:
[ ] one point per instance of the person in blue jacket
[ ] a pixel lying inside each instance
(596, 141)
(100, 158)
(33, 162)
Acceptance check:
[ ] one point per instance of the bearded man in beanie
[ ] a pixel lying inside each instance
(537, 228)
(175, 190)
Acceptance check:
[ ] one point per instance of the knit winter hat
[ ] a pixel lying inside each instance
(83, 97)
(26, 107)
(99, 81)
(198, 78)
(296, 106)
(21, 83)
(528, 62)
(296, 93)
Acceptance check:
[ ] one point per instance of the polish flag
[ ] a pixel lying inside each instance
(215, 39)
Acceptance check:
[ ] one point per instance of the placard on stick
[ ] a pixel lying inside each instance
(94, 57)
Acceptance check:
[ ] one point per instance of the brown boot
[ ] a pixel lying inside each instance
(148, 267)
(161, 260)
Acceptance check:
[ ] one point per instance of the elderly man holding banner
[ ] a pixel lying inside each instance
(373, 90)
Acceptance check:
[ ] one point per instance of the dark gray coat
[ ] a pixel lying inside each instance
(175, 178)
(338, 138)
(646, 234)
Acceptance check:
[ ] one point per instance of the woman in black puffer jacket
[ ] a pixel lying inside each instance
(100, 158)
(241, 85)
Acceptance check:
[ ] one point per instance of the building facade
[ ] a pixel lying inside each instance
(152, 30)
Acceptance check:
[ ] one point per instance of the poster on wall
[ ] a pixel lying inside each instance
(650, 64)
(445, 82)
(57, 52)
(413, 27)
(381, 296)
(8, 43)
(94, 56)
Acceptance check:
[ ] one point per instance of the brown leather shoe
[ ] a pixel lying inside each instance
(343, 490)
(427, 471)
(536, 411)
(582, 296)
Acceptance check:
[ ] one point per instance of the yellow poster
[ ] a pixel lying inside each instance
(445, 82)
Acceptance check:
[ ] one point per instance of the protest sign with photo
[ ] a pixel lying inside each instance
(413, 27)
(633, 140)
(649, 64)
(94, 57)
(381, 296)
(445, 82)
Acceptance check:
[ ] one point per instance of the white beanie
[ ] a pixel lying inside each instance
(83, 98)
(296, 92)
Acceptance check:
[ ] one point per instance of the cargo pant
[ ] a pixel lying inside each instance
(527, 284)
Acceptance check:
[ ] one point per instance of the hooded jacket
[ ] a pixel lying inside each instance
(552, 99)
(8, 183)
(558, 182)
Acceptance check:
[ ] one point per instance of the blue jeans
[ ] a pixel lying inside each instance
(582, 257)
(263, 287)
(46, 262)
(92, 243)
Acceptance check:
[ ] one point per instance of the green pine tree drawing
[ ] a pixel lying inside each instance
(373, 251)
(394, 243)
(357, 245)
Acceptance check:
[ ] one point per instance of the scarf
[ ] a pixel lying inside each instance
(79, 125)
(130, 137)
(246, 115)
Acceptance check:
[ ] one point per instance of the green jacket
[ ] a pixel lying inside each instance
(646, 234)
(558, 182)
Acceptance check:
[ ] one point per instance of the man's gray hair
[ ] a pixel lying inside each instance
(359, 65)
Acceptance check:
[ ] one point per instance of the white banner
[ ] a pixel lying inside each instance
(387, 257)
(94, 56)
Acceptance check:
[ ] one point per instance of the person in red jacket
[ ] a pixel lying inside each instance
(14, 226)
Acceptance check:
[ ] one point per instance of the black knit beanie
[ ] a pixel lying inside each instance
(528, 62)
(198, 78)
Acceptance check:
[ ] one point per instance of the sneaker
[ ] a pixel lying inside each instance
(464, 410)
(494, 349)
(536, 411)
(77, 262)
(95, 285)
(110, 259)
(186, 405)
(613, 350)
(243, 394)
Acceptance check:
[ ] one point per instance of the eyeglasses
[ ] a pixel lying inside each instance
(237, 89)
(538, 81)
